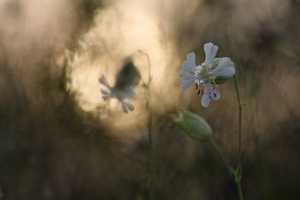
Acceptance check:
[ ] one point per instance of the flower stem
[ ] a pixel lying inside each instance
(151, 150)
(238, 172)
(150, 135)
(217, 150)
(240, 191)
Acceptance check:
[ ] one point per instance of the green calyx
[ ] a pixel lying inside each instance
(193, 126)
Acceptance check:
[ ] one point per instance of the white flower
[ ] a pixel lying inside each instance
(212, 71)
(126, 80)
(122, 95)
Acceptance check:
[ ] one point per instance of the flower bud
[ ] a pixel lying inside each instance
(223, 69)
(193, 126)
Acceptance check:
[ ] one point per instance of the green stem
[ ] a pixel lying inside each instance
(232, 172)
(150, 135)
(238, 174)
(151, 151)
(240, 121)
(217, 150)
(240, 191)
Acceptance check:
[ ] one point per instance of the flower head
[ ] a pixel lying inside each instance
(212, 71)
(123, 90)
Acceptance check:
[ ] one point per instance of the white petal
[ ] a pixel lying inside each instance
(104, 92)
(186, 83)
(185, 74)
(127, 106)
(103, 80)
(130, 106)
(208, 88)
(210, 52)
(106, 98)
(106, 95)
(224, 62)
(191, 57)
(205, 100)
(215, 94)
(124, 108)
(188, 66)
(227, 72)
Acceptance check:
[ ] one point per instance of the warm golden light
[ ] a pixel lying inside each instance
(124, 30)
(60, 140)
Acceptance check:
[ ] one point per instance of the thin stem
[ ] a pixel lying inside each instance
(240, 191)
(238, 173)
(217, 150)
(150, 135)
(240, 121)
(151, 150)
(232, 173)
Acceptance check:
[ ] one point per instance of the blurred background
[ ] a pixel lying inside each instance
(60, 140)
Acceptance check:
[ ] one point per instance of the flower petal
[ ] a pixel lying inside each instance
(208, 88)
(106, 98)
(215, 94)
(210, 52)
(106, 95)
(104, 92)
(103, 80)
(227, 72)
(224, 62)
(186, 83)
(191, 57)
(209, 93)
(126, 106)
(190, 63)
(130, 106)
(185, 74)
(205, 100)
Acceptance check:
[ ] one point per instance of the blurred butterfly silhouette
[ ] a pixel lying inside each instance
(126, 80)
